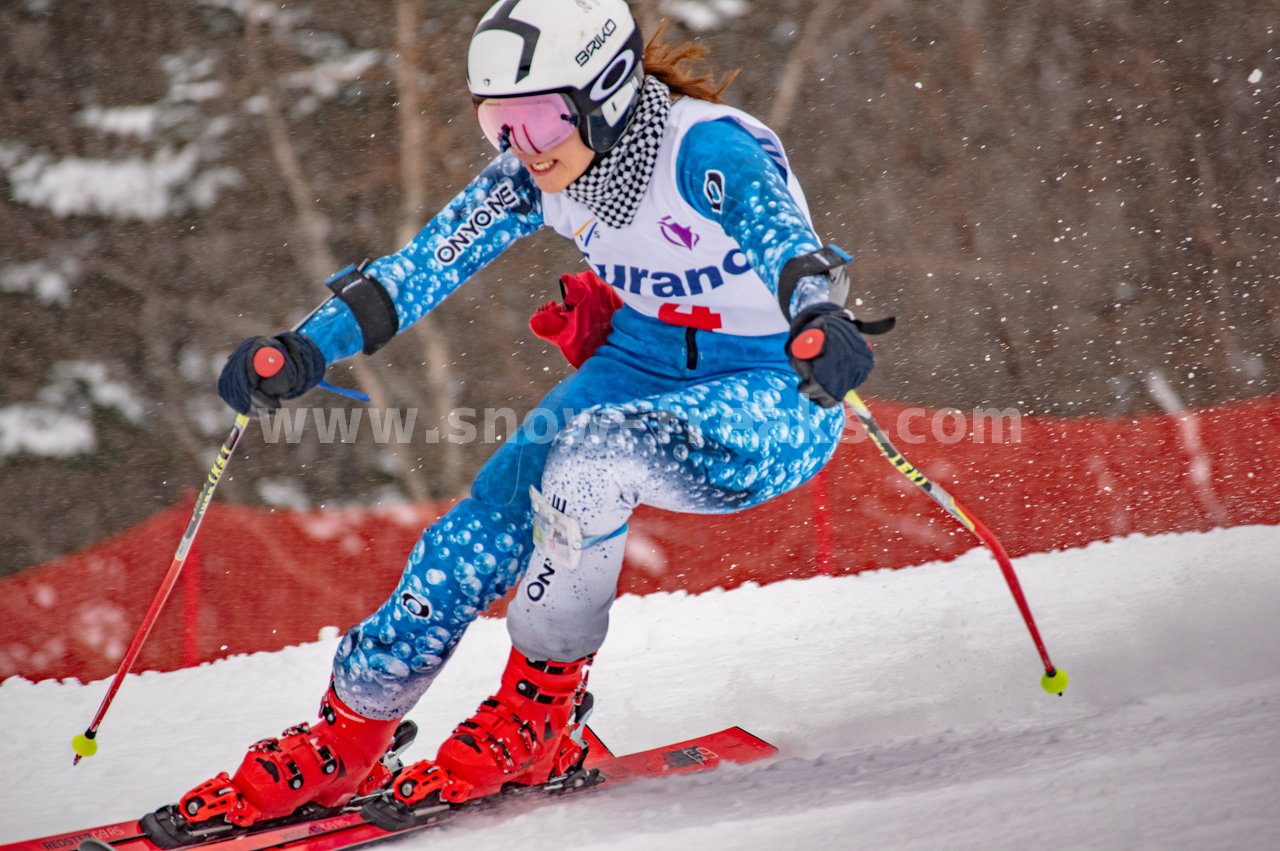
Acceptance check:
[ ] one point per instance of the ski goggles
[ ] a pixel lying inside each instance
(532, 124)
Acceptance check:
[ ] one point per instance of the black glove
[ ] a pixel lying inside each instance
(828, 353)
(242, 387)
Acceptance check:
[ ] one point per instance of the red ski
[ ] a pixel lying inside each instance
(65, 841)
(349, 829)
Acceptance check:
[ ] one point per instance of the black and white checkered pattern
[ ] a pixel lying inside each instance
(614, 187)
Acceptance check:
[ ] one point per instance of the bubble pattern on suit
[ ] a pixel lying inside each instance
(714, 448)
(499, 206)
(663, 414)
(734, 433)
(460, 566)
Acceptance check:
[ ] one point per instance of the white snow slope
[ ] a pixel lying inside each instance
(906, 705)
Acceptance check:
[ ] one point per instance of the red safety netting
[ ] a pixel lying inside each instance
(260, 579)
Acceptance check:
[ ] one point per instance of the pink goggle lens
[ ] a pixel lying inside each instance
(532, 124)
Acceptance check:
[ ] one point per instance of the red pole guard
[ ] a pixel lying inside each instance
(987, 537)
(171, 575)
(131, 655)
(957, 511)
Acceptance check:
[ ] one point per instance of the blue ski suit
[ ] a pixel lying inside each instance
(690, 405)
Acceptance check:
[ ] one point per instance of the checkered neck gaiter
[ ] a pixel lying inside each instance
(614, 187)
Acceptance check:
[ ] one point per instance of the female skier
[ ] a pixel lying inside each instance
(689, 210)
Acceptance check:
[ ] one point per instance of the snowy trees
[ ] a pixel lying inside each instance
(1058, 201)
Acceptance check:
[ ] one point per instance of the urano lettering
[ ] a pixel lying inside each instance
(502, 198)
(673, 284)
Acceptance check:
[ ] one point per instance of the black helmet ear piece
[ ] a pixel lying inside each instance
(608, 103)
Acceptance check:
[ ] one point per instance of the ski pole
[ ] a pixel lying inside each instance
(266, 362)
(1054, 680)
(809, 345)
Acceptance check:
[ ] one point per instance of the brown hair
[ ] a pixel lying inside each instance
(669, 63)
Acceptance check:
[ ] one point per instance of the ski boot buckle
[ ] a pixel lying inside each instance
(418, 781)
(212, 798)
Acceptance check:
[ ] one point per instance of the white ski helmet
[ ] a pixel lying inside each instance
(588, 50)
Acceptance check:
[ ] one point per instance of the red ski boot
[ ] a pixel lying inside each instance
(529, 733)
(326, 765)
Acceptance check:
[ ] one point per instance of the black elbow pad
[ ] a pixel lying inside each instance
(829, 261)
(370, 302)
